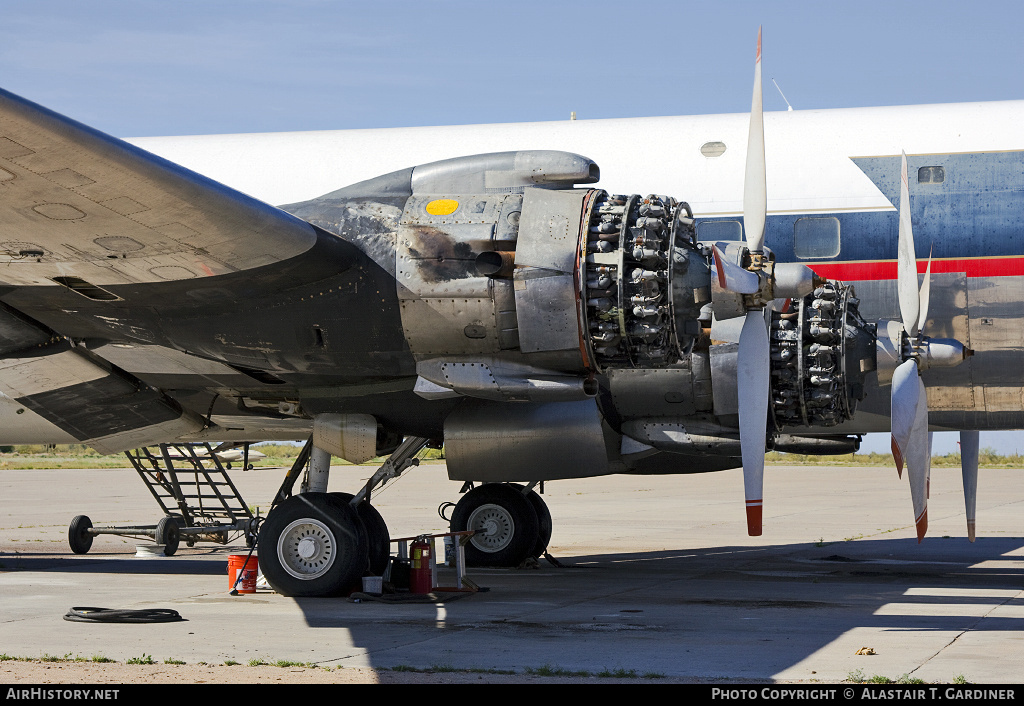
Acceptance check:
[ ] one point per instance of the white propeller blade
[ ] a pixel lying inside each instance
(969, 467)
(755, 194)
(910, 438)
(905, 401)
(752, 378)
(906, 265)
(732, 277)
(926, 288)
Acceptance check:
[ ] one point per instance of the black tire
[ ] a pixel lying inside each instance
(313, 544)
(378, 539)
(509, 523)
(79, 539)
(168, 535)
(543, 518)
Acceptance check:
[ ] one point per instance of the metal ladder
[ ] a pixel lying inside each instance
(195, 488)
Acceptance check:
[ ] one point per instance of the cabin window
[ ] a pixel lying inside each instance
(712, 149)
(815, 238)
(713, 231)
(931, 175)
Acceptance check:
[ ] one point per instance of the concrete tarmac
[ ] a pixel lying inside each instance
(659, 577)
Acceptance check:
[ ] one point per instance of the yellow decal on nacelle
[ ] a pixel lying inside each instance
(442, 207)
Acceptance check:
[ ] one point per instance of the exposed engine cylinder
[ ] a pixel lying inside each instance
(647, 287)
(631, 259)
(816, 350)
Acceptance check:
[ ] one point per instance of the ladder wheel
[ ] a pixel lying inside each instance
(78, 535)
(167, 534)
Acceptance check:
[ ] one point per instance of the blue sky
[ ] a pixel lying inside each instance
(150, 67)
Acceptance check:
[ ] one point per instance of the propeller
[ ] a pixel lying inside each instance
(911, 441)
(909, 401)
(752, 371)
(761, 284)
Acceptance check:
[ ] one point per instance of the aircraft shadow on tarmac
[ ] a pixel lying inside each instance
(747, 612)
(734, 611)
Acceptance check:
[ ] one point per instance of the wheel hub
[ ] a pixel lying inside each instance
(306, 549)
(494, 527)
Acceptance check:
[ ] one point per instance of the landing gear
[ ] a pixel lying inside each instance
(378, 539)
(543, 518)
(313, 544)
(510, 526)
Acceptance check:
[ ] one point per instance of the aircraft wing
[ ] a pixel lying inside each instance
(76, 204)
(84, 217)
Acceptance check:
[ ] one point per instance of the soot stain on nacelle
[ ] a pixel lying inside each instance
(440, 258)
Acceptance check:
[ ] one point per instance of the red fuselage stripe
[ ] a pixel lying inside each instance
(886, 269)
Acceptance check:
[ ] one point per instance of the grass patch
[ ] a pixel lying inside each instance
(548, 671)
(230, 663)
(288, 663)
(256, 662)
(988, 457)
(171, 660)
(617, 673)
(144, 659)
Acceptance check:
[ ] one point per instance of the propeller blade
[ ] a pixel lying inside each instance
(732, 277)
(752, 381)
(904, 403)
(755, 193)
(906, 264)
(969, 468)
(910, 442)
(926, 288)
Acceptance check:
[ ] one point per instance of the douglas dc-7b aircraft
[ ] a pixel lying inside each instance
(541, 327)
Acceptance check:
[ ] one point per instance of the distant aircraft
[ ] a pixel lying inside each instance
(540, 327)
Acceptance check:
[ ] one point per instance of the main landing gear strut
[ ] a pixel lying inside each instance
(318, 543)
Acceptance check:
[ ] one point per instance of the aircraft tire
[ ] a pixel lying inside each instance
(79, 539)
(508, 524)
(167, 534)
(377, 537)
(313, 544)
(543, 518)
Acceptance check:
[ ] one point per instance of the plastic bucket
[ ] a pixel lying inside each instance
(249, 570)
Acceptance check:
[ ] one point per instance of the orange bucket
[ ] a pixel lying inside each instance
(237, 563)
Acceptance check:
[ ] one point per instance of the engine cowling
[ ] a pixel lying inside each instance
(597, 310)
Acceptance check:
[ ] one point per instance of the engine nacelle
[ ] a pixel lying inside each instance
(557, 313)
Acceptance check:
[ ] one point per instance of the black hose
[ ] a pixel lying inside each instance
(112, 615)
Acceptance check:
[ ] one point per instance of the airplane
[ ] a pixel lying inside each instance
(226, 453)
(502, 304)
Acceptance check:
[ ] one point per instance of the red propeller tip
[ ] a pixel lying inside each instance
(922, 525)
(754, 518)
(897, 457)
